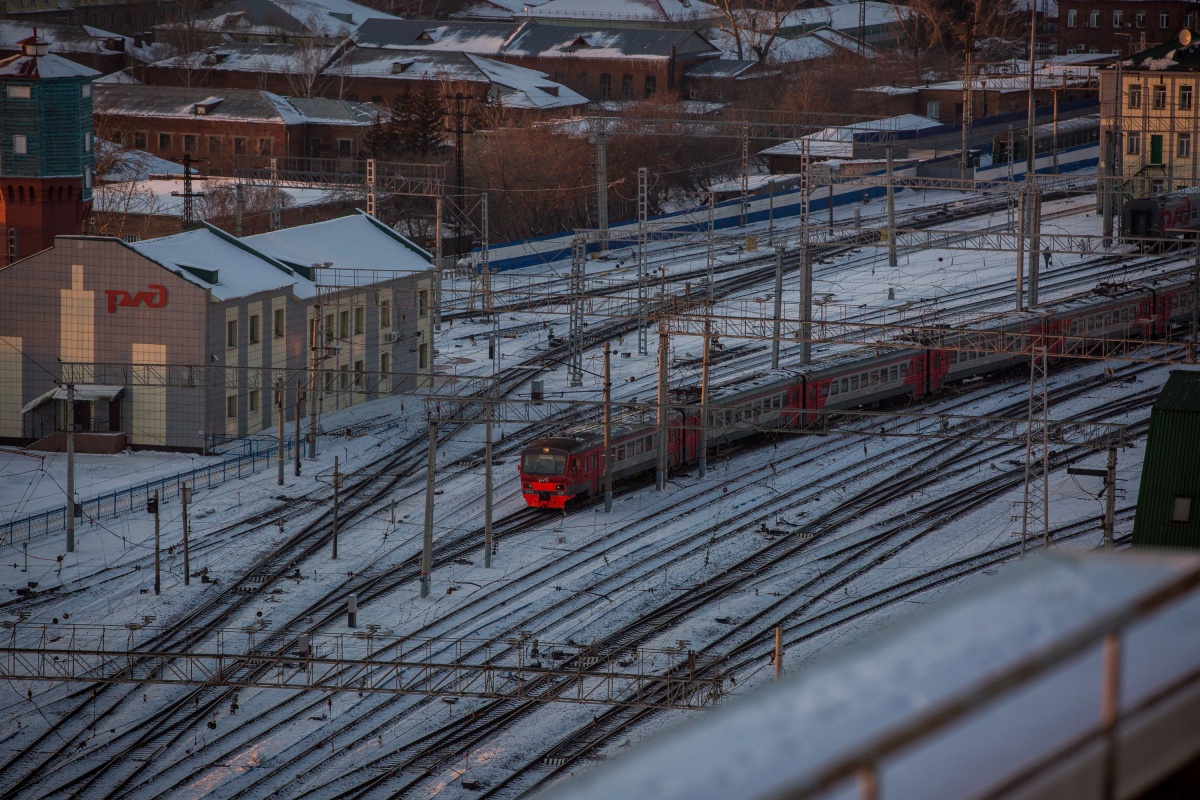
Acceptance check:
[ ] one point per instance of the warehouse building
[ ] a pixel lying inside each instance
(241, 308)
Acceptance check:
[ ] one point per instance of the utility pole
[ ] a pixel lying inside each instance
(299, 412)
(438, 257)
(704, 421)
(1033, 208)
(577, 288)
(318, 341)
(487, 482)
(966, 118)
(806, 302)
(427, 538)
(1022, 202)
(157, 544)
(281, 409)
(778, 320)
(239, 194)
(710, 260)
(663, 422)
(745, 205)
(70, 468)
(891, 211)
(371, 186)
(643, 202)
(602, 189)
(485, 269)
(185, 499)
(276, 197)
(608, 489)
(1037, 435)
(1110, 497)
(337, 484)
(189, 205)
(778, 653)
(459, 188)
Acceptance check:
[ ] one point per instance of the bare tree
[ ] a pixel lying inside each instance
(754, 27)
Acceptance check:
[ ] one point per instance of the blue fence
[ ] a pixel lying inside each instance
(133, 498)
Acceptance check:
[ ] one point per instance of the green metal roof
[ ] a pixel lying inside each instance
(1182, 392)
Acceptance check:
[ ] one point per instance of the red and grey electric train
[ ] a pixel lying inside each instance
(557, 470)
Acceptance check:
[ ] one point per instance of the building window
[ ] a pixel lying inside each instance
(605, 86)
(343, 148)
(1139, 19)
(1159, 97)
(85, 90)
(1135, 95)
(19, 92)
(423, 356)
(344, 377)
(231, 406)
(329, 380)
(1164, 19)
(214, 145)
(1095, 49)
(933, 109)
(239, 146)
(360, 320)
(20, 144)
(253, 400)
(385, 315)
(344, 324)
(314, 147)
(279, 329)
(264, 147)
(423, 303)
(1118, 18)
(139, 140)
(1072, 17)
(189, 143)
(358, 374)
(651, 86)
(1184, 150)
(1134, 140)
(1181, 510)
(329, 331)
(87, 142)
(255, 336)
(1185, 98)
(164, 141)
(231, 333)
(1094, 18)
(385, 365)
(627, 87)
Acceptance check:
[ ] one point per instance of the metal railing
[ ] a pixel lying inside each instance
(114, 504)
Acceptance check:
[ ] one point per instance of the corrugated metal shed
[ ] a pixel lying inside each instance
(1168, 509)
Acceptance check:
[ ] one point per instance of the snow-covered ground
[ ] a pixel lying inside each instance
(577, 576)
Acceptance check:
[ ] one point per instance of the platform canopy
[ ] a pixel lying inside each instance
(83, 392)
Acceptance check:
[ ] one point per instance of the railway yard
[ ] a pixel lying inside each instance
(825, 537)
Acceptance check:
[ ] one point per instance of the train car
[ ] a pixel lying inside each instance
(1071, 133)
(1169, 216)
(864, 377)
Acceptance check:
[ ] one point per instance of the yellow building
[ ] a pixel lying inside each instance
(1149, 118)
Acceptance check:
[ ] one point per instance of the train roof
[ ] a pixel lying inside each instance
(763, 380)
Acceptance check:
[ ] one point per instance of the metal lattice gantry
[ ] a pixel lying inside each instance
(372, 660)
(578, 292)
(1035, 511)
(387, 177)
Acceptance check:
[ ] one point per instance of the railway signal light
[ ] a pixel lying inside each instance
(151, 505)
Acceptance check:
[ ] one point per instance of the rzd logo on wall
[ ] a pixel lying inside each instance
(156, 297)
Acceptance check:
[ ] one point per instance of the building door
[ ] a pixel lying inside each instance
(1156, 149)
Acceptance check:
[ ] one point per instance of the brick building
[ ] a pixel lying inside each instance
(220, 125)
(206, 299)
(1120, 26)
(47, 149)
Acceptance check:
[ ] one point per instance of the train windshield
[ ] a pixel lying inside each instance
(544, 464)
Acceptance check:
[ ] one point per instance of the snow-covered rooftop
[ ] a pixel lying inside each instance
(227, 104)
(48, 66)
(839, 142)
(276, 18)
(267, 58)
(772, 742)
(353, 242)
(581, 42)
(665, 11)
(845, 17)
(482, 38)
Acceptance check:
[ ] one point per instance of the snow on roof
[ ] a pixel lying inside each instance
(537, 40)
(235, 104)
(325, 18)
(720, 68)
(357, 242)
(273, 58)
(161, 197)
(845, 17)
(241, 271)
(492, 9)
(839, 142)
(412, 65)
(653, 10)
(124, 164)
(44, 67)
(527, 88)
(483, 38)
(62, 38)
(770, 742)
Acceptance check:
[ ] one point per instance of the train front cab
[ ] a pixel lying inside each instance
(544, 482)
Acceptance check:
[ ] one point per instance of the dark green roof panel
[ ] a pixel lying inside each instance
(1171, 468)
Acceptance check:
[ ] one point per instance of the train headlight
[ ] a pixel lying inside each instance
(559, 486)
